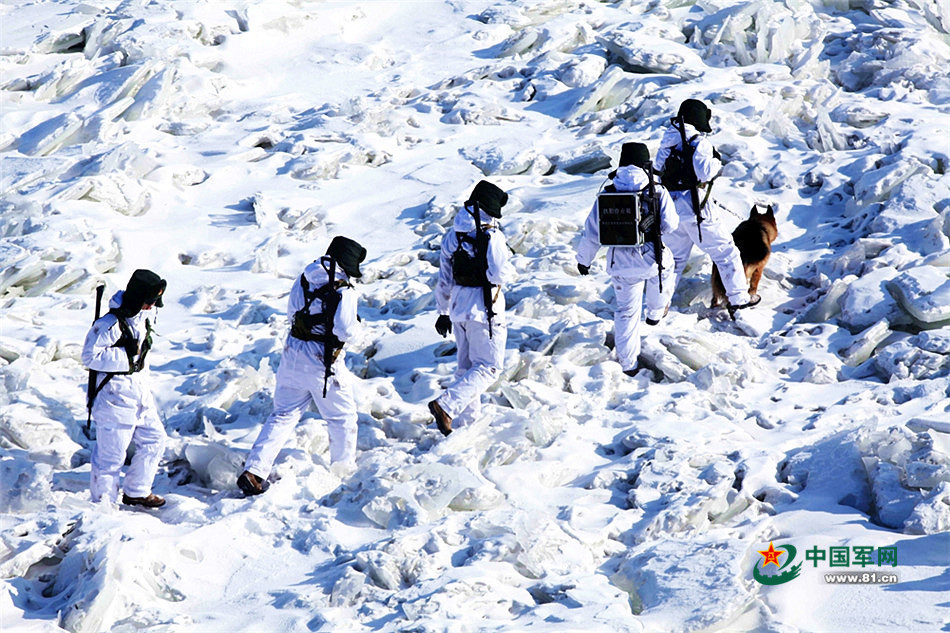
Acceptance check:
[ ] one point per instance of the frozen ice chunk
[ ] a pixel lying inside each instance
(151, 97)
(924, 292)
(486, 497)
(828, 306)
(474, 111)
(522, 42)
(588, 159)
(923, 424)
(865, 343)
(615, 87)
(866, 301)
(503, 159)
(543, 427)
(425, 492)
(582, 70)
(829, 136)
(690, 350)
(909, 215)
(664, 579)
(48, 136)
(906, 360)
(30, 426)
(893, 503)
(855, 259)
(347, 589)
(215, 465)
(926, 474)
(27, 485)
(832, 469)
(818, 372)
(876, 185)
(117, 190)
(656, 357)
(932, 515)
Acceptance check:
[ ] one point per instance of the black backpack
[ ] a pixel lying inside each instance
(678, 174)
(471, 269)
(304, 323)
(624, 217)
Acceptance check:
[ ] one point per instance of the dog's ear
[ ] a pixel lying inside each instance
(769, 211)
(754, 211)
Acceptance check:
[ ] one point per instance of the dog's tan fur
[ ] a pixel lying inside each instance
(754, 239)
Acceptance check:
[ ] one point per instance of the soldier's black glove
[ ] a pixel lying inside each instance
(647, 223)
(443, 325)
(582, 269)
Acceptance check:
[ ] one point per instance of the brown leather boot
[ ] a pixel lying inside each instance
(250, 484)
(442, 419)
(151, 501)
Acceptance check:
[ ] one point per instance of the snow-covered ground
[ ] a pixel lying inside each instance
(223, 143)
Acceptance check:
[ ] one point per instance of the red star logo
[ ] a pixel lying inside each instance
(771, 556)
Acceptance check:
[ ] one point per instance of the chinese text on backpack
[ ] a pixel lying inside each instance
(619, 216)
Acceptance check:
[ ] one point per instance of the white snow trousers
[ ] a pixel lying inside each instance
(632, 291)
(480, 361)
(108, 456)
(717, 243)
(300, 382)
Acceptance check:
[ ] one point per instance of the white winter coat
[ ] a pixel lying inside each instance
(121, 401)
(345, 323)
(464, 303)
(627, 260)
(705, 165)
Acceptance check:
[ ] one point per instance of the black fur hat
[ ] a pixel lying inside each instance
(489, 198)
(636, 154)
(696, 113)
(144, 287)
(348, 255)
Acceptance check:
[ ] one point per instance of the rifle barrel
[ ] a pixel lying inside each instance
(91, 382)
(688, 152)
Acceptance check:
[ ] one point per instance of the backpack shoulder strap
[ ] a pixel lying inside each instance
(309, 296)
(127, 334)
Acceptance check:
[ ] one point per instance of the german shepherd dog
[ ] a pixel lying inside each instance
(754, 239)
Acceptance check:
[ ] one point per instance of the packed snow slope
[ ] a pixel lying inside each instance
(223, 143)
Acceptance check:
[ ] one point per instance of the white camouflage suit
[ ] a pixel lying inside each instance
(632, 269)
(300, 381)
(480, 357)
(124, 412)
(717, 240)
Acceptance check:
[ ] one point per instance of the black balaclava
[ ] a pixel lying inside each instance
(489, 198)
(144, 287)
(636, 154)
(697, 114)
(348, 254)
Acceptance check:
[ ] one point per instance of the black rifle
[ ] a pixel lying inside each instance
(689, 174)
(330, 348)
(654, 215)
(91, 390)
(481, 241)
